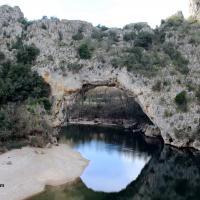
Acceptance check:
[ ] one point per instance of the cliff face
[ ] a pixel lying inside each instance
(136, 59)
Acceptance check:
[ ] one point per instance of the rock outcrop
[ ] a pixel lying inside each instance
(154, 86)
(195, 8)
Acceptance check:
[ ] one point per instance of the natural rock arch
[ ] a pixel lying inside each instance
(61, 66)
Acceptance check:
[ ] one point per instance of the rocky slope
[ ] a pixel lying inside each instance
(153, 66)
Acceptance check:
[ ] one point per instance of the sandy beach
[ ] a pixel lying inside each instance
(25, 172)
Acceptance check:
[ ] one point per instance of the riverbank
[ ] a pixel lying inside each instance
(25, 172)
(123, 123)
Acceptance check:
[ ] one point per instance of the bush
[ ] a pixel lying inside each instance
(47, 104)
(18, 44)
(144, 39)
(25, 22)
(198, 94)
(96, 34)
(195, 39)
(2, 56)
(113, 36)
(79, 35)
(84, 52)
(74, 67)
(27, 54)
(178, 60)
(44, 26)
(129, 36)
(18, 83)
(174, 21)
(102, 28)
(181, 100)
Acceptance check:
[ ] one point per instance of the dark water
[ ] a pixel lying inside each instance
(126, 166)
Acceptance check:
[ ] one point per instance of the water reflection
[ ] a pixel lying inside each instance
(115, 156)
(170, 173)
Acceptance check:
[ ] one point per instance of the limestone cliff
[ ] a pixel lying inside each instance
(151, 65)
(195, 8)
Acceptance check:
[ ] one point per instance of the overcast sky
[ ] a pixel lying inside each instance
(112, 13)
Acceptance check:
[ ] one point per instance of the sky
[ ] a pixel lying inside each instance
(111, 13)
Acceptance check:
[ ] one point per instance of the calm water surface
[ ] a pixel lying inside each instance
(127, 166)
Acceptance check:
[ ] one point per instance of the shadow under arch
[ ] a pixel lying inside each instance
(105, 107)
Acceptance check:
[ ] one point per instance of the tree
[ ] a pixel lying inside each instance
(84, 52)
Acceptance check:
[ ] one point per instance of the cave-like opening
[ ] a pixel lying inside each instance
(107, 105)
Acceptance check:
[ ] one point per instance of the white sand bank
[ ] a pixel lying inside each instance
(26, 171)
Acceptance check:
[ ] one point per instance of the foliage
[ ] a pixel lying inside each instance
(140, 60)
(102, 28)
(98, 34)
(112, 35)
(27, 54)
(74, 67)
(84, 51)
(25, 22)
(2, 56)
(44, 26)
(195, 38)
(198, 94)
(178, 60)
(129, 36)
(18, 44)
(18, 83)
(181, 100)
(79, 35)
(173, 21)
(4, 120)
(144, 39)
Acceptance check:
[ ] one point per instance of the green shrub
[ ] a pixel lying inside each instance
(167, 114)
(195, 38)
(181, 100)
(74, 67)
(44, 26)
(84, 52)
(27, 54)
(102, 28)
(112, 35)
(129, 36)
(18, 44)
(97, 34)
(137, 59)
(79, 35)
(25, 22)
(47, 104)
(198, 94)
(144, 39)
(178, 60)
(2, 56)
(18, 82)
(174, 21)
(5, 123)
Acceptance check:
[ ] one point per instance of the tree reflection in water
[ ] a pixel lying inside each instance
(170, 174)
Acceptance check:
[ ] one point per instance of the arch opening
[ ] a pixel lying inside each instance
(109, 105)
